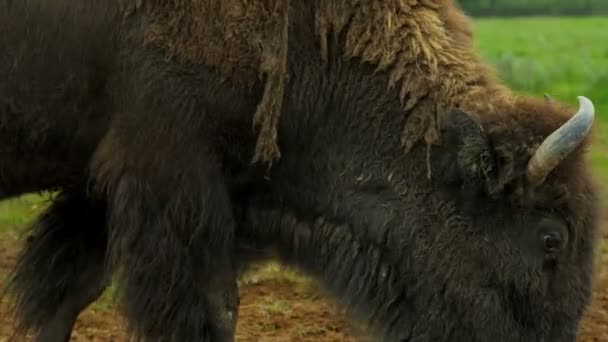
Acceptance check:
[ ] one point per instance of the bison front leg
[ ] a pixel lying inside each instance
(61, 269)
(171, 236)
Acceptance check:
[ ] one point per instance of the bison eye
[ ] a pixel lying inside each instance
(552, 241)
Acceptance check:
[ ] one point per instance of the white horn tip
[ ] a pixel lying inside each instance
(586, 113)
(586, 106)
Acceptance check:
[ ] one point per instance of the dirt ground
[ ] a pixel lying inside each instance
(276, 307)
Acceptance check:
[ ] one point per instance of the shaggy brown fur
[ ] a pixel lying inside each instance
(435, 69)
(458, 25)
(425, 45)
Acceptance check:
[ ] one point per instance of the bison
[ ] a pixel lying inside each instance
(364, 142)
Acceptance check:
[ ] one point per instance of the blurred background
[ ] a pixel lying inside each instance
(512, 8)
(558, 47)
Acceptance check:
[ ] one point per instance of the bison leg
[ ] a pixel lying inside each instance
(61, 269)
(171, 235)
(59, 328)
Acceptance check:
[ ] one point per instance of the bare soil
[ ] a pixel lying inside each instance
(277, 308)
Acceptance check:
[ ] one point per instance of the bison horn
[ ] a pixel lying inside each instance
(560, 143)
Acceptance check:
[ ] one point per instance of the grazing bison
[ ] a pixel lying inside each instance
(388, 162)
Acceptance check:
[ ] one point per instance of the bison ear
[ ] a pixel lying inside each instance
(466, 160)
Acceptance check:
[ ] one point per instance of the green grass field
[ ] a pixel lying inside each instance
(562, 57)
(559, 56)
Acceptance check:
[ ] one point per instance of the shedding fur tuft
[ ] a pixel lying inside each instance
(274, 65)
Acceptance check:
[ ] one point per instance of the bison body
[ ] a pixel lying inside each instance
(151, 154)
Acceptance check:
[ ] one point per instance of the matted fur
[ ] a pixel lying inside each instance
(424, 45)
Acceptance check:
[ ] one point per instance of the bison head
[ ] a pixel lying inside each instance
(512, 248)
(497, 246)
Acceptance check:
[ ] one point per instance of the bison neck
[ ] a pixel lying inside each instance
(358, 251)
(344, 199)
